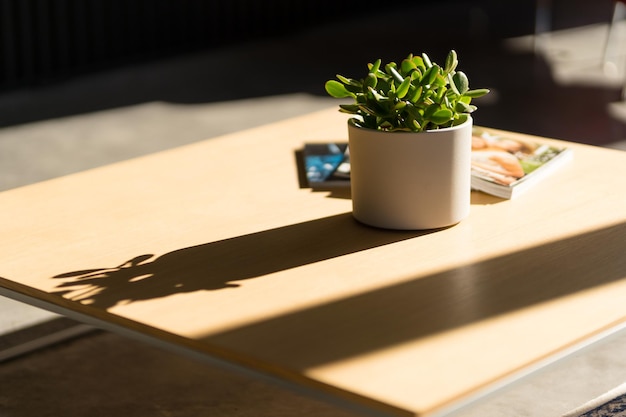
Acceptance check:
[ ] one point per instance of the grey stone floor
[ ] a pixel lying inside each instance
(103, 374)
(107, 375)
(102, 118)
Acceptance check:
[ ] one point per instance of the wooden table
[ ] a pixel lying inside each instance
(215, 249)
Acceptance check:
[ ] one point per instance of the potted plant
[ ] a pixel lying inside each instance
(409, 142)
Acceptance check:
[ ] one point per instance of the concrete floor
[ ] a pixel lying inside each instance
(102, 118)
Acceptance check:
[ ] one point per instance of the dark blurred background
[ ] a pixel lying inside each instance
(200, 51)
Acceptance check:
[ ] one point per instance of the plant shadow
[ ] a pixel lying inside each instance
(347, 327)
(223, 264)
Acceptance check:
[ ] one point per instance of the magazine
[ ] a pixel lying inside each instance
(501, 166)
(506, 167)
(327, 165)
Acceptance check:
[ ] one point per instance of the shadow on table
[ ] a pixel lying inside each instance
(392, 315)
(217, 265)
(442, 301)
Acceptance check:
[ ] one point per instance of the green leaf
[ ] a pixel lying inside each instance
(419, 63)
(439, 80)
(403, 89)
(349, 108)
(349, 81)
(430, 75)
(416, 93)
(337, 90)
(399, 105)
(367, 110)
(477, 93)
(375, 67)
(441, 116)
(396, 75)
(451, 62)
(375, 95)
(407, 66)
(461, 107)
(411, 110)
(354, 89)
(386, 125)
(427, 61)
(440, 94)
(453, 86)
(371, 80)
(461, 82)
(431, 110)
(461, 119)
(369, 121)
(388, 67)
(416, 75)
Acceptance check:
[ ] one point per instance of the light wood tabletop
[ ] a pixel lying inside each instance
(216, 248)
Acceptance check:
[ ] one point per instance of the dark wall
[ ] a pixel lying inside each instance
(46, 40)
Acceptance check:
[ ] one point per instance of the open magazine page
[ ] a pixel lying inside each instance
(506, 166)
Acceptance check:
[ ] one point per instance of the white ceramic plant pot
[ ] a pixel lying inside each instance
(410, 181)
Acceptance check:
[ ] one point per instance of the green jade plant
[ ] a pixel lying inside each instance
(416, 96)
